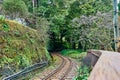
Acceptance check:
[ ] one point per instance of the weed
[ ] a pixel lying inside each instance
(83, 73)
(2, 18)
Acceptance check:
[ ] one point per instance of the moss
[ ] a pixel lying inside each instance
(21, 46)
(47, 55)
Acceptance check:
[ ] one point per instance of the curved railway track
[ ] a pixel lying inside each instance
(62, 71)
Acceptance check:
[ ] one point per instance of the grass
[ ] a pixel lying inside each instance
(83, 73)
(76, 54)
(70, 51)
(20, 46)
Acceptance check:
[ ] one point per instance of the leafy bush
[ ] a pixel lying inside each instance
(83, 73)
(2, 18)
(4, 25)
(14, 8)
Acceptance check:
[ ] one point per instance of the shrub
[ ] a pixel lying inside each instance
(2, 18)
(14, 8)
(83, 73)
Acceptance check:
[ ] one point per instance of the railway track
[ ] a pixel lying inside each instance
(62, 71)
(59, 73)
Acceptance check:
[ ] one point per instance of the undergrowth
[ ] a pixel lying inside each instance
(76, 54)
(82, 72)
(20, 47)
(70, 51)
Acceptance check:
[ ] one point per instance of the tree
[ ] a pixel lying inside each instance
(93, 31)
(84, 11)
(42, 26)
(15, 8)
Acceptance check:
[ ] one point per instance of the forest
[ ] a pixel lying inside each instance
(30, 30)
(71, 24)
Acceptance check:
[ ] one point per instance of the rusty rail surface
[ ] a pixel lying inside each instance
(54, 74)
(68, 70)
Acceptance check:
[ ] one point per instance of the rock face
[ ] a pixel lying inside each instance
(107, 67)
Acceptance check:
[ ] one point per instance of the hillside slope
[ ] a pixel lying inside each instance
(19, 47)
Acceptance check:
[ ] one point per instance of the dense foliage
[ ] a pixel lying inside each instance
(20, 47)
(84, 20)
(15, 8)
(72, 23)
(83, 73)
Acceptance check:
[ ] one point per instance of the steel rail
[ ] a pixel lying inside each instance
(57, 70)
(68, 70)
